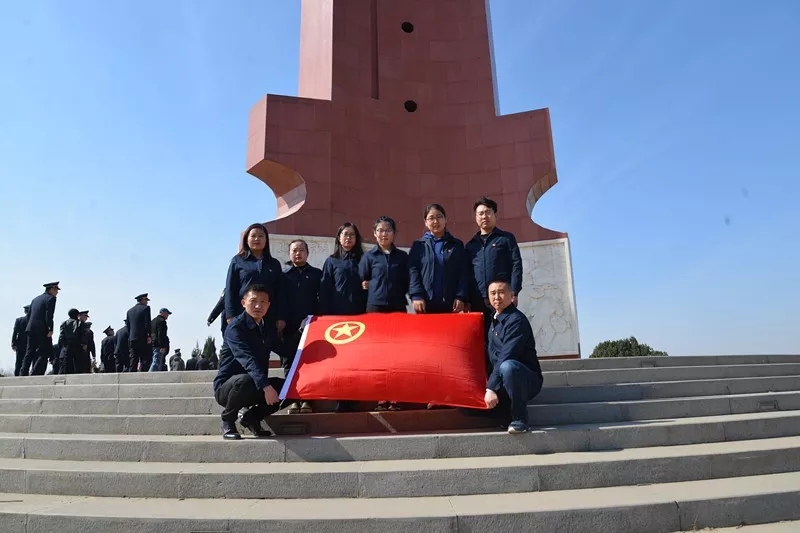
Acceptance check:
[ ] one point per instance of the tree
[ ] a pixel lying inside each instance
(629, 347)
(210, 351)
(196, 351)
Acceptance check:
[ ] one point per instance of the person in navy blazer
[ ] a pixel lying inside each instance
(438, 267)
(384, 271)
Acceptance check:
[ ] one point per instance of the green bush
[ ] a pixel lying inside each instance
(629, 347)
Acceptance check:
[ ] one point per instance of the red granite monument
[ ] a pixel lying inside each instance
(397, 109)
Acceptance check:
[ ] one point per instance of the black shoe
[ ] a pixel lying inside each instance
(229, 431)
(251, 421)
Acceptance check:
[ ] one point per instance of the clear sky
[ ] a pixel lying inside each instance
(677, 134)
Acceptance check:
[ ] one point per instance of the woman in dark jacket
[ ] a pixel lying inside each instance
(438, 267)
(340, 290)
(255, 264)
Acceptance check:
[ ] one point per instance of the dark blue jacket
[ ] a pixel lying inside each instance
(302, 293)
(247, 270)
(18, 337)
(40, 318)
(139, 323)
(340, 291)
(511, 337)
(387, 275)
(422, 265)
(219, 311)
(121, 342)
(250, 346)
(107, 346)
(497, 258)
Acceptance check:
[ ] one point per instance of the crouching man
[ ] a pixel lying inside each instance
(243, 377)
(516, 377)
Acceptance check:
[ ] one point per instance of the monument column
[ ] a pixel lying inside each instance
(397, 109)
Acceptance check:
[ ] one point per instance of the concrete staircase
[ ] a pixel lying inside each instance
(623, 445)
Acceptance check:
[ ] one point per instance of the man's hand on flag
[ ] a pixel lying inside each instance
(491, 399)
(271, 395)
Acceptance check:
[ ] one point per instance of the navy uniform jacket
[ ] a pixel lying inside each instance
(121, 341)
(250, 345)
(40, 318)
(72, 334)
(247, 270)
(139, 326)
(18, 337)
(496, 258)
(422, 270)
(203, 364)
(302, 293)
(511, 337)
(88, 336)
(191, 364)
(219, 311)
(159, 328)
(387, 275)
(107, 346)
(340, 291)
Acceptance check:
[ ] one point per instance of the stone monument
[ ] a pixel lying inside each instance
(397, 108)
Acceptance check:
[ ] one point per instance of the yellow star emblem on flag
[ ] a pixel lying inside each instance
(344, 332)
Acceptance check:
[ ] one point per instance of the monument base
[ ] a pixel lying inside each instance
(547, 298)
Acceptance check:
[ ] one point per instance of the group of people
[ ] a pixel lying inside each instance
(264, 307)
(140, 345)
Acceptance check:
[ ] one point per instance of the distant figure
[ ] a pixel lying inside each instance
(40, 331)
(203, 363)
(19, 339)
(107, 346)
(218, 311)
(191, 364)
(87, 360)
(140, 334)
(176, 363)
(160, 339)
(122, 359)
(71, 339)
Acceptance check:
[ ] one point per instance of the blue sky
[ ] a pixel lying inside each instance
(122, 144)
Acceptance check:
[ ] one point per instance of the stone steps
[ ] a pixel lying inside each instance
(625, 445)
(656, 508)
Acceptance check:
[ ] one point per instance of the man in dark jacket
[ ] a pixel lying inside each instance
(516, 377)
(218, 311)
(140, 334)
(19, 339)
(107, 346)
(85, 362)
(176, 362)
(122, 358)
(191, 364)
(40, 331)
(494, 254)
(243, 377)
(71, 339)
(160, 339)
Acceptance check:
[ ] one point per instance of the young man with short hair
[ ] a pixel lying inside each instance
(243, 377)
(516, 377)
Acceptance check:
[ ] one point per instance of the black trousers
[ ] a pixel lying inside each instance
(68, 360)
(288, 347)
(36, 355)
(122, 361)
(240, 391)
(83, 362)
(140, 353)
(20, 352)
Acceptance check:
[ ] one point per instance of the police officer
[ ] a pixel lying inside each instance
(107, 346)
(83, 365)
(160, 339)
(19, 340)
(122, 357)
(71, 339)
(140, 334)
(176, 362)
(191, 364)
(243, 377)
(218, 311)
(40, 331)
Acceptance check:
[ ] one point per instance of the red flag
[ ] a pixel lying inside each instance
(393, 357)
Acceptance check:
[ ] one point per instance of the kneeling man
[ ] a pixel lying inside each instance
(516, 377)
(243, 377)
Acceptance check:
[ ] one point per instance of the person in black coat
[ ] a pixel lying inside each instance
(84, 364)
(218, 311)
(438, 268)
(40, 331)
(140, 334)
(191, 364)
(243, 377)
(341, 291)
(107, 346)
(71, 339)
(384, 271)
(19, 339)
(160, 340)
(122, 356)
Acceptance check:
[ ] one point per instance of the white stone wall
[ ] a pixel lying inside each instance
(547, 299)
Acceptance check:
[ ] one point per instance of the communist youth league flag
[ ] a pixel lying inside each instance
(393, 357)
